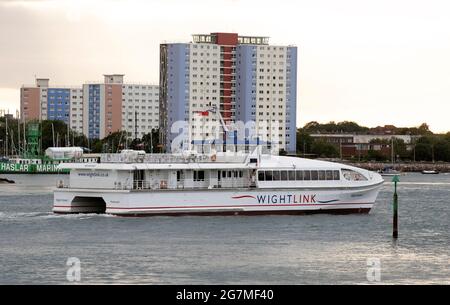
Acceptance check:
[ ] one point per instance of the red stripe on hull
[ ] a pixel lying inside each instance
(243, 196)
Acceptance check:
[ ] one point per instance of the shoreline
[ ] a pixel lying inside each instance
(441, 167)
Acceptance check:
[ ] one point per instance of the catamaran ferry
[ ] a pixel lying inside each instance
(134, 183)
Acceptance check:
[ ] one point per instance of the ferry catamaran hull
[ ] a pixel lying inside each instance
(217, 202)
(220, 185)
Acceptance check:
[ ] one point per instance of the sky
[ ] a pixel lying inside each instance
(374, 62)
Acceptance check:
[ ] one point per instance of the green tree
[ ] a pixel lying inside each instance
(311, 126)
(351, 127)
(333, 127)
(304, 141)
(425, 140)
(447, 137)
(55, 133)
(13, 145)
(423, 152)
(442, 150)
(324, 149)
(424, 129)
(151, 141)
(114, 142)
(375, 155)
(400, 149)
(97, 146)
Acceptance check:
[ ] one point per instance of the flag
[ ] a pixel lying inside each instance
(203, 113)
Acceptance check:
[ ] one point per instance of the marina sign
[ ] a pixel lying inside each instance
(30, 168)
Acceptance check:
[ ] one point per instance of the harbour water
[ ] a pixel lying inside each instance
(35, 244)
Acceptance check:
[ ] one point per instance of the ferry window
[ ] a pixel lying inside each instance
(229, 174)
(284, 175)
(314, 175)
(224, 174)
(178, 176)
(268, 175)
(306, 175)
(261, 176)
(299, 175)
(321, 175)
(329, 175)
(276, 175)
(199, 175)
(241, 174)
(336, 175)
(352, 175)
(292, 175)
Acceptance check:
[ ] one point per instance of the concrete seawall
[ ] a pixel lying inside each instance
(404, 167)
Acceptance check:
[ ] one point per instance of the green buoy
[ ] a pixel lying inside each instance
(395, 179)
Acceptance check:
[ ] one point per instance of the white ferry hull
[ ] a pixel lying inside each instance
(248, 201)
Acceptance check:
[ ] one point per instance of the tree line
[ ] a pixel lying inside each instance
(427, 146)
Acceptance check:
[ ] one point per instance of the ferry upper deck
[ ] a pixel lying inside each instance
(137, 171)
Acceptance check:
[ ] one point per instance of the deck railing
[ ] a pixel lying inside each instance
(166, 158)
(163, 185)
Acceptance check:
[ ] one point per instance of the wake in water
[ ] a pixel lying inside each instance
(47, 215)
